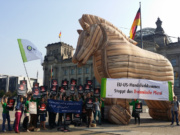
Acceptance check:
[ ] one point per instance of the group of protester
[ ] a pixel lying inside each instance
(30, 121)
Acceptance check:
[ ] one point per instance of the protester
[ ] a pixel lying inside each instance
(26, 114)
(33, 121)
(5, 114)
(175, 110)
(18, 113)
(42, 115)
(97, 111)
(134, 113)
(52, 116)
(88, 110)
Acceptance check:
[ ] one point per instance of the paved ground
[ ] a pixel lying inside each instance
(148, 127)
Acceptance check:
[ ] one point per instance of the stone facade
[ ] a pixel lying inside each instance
(59, 56)
(157, 41)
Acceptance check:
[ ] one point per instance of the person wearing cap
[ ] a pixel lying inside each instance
(175, 110)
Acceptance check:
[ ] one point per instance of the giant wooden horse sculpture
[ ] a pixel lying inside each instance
(117, 56)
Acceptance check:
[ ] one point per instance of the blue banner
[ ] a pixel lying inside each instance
(60, 106)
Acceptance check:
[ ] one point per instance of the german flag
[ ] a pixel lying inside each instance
(137, 22)
(60, 35)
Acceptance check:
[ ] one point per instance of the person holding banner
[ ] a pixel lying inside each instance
(175, 110)
(18, 113)
(26, 114)
(134, 113)
(5, 114)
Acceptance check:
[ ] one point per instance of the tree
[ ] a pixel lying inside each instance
(14, 93)
(8, 94)
(2, 93)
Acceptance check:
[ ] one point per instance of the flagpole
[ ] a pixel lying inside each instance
(27, 75)
(141, 25)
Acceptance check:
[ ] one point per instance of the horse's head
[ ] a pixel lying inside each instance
(87, 44)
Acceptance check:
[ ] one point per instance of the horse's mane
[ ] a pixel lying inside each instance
(92, 19)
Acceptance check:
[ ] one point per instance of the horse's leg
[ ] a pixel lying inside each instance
(159, 109)
(119, 112)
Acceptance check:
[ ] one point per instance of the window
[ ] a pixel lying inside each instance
(87, 70)
(87, 78)
(79, 70)
(65, 72)
(176, 79)
(173, 62)
(79, 81)
(72, 71)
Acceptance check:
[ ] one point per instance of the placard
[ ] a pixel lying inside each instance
(97, 92)
(36, 93)
(35, 85)
(72, 89)
(80, 89)
(54, 82)
(138, 107)
(54, 90)
(73, 82)
(32, 108)
(89, 82)
(21, 89)
(42, 109)
(68, 118)
(10, 104)
(77, 117)
(43, 90)
(89, 103)
(62, 89)
(24, 82)
(65, 83)
(87, 88)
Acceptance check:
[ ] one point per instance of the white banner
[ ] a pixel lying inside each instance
(32, 108)
(136, 89)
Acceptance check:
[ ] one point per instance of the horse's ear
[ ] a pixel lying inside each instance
(79, 31)
(86, 27)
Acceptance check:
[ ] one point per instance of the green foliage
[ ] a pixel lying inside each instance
(8, 94)
(14, 93)
(2, 93)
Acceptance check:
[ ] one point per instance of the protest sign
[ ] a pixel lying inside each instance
(42, 109)
(36, 92)
(10, 104)
(89, 82)
(77, 117)
(43, 90)
(138, 107)
(61, 89)
(65, 83)
(60, 106)
(21, 89)
(32, 108)
(87, 88)
(80, 89)
(129, 88)
(89, 103)
(24, 82)
(35, 85)
(97, 92)
(54, 82)
(68, 118)
(54, 90)
(72, 90)
(73, 82)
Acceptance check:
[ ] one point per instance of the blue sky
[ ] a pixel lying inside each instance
(40, 21)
